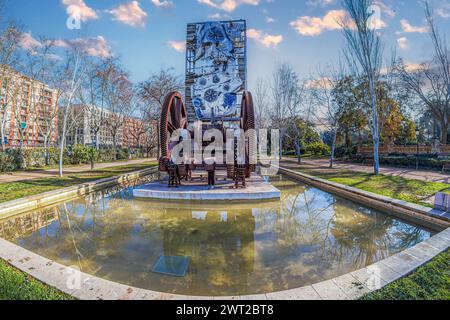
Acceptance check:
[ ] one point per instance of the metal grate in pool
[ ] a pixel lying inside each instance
(175, 266)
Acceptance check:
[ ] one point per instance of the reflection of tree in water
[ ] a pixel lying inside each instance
(307, 237)
(86, 232)
(365, 236)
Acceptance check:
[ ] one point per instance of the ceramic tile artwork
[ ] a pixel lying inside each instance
(216, 68)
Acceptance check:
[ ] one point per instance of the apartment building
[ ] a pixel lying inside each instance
(89, 119)
(28, 110)
(129, 132)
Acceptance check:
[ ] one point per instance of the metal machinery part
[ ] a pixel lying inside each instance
(173, 117)
(248, 123)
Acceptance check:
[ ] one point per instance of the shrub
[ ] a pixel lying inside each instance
(123, 154)
(79, 154)
(318, 148)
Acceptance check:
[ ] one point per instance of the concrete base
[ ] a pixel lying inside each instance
(198, 190)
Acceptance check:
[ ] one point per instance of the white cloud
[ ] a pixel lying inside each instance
(163, 3)
(412, 67)
(386, 9)
(408, 28)
(319, 3)
(96, 47)
(444, 11)
(218, 16)
(270, 20)
(403, 43)
(179, 46)
(265, 39)
(314, 26)
(79, 9)
(228, 5)
(130, 14)
(29, 43)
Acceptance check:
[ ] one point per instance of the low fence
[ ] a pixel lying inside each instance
(407, 150)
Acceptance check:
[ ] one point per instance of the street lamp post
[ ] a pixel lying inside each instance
(418, 148)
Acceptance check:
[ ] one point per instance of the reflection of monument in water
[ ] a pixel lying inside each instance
(219, 242)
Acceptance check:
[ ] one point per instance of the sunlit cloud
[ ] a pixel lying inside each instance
(314, 26)
(228, 5)
(403, 43)
(79, 9)
(409, 28)
(179, 46)
(163, 3)
(130, 14)
(265, 39)
(96, 46)
(29, 43)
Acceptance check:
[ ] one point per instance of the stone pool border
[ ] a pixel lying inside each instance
(427, 217)
(36, 202)
(353, 285)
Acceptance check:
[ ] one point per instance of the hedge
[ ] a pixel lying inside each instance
(20, 159)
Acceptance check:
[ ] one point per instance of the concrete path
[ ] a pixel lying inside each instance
(430, 176)
(36, 174)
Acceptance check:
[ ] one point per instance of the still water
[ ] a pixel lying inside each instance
(233, 249)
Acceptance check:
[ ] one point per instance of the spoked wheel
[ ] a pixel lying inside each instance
(173, 117)
(248, 123)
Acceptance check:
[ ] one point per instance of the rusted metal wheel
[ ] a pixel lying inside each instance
(248, 123)
(173, 117)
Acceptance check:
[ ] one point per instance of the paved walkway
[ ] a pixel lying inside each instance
(431, 176)
(36, 174)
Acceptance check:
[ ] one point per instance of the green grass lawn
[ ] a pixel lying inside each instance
(16, 285)
(414, 191)
(17, 190)
(430, 282)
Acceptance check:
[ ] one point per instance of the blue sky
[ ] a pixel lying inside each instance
(149, 34)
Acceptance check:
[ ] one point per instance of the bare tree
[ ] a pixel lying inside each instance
(262, 103)
(287, 96)
(40, 64)
(68, 80)
(153, 92)
(119, 96)
(10, 39)
(327, 111)
(96, 81)
(364, 54)
(431, 81)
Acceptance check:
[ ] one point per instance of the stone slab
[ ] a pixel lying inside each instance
(257, 189)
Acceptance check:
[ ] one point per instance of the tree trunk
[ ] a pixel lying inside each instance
(298, 145)
(61, 153)
(2, 131)
(375, 131)
(46, 151)
(333, 149)
(281, 145)
(444, 132)
(159, 141)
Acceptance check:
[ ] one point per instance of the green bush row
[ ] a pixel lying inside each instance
(20, 159)
(408, 161)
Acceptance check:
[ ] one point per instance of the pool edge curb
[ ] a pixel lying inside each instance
(35, 202)
(353, 285)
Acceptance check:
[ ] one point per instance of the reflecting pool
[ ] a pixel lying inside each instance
(232, 249)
